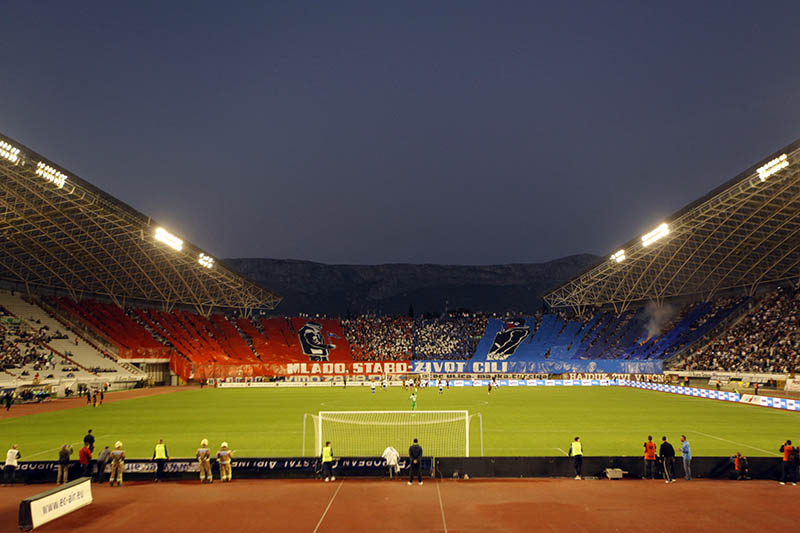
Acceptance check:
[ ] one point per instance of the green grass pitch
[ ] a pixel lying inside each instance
(516, 421)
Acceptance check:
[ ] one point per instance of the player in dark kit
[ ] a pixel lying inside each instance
(415, 456)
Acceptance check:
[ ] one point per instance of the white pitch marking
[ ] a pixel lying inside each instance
(56, 449)
(562, 451)
(735, 442)
(328, 507)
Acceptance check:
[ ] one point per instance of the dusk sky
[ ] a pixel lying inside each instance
(376, 132)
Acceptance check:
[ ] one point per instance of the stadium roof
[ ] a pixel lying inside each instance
(742, 234)
(60, 232)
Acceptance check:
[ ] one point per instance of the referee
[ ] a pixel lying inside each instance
(415, 455)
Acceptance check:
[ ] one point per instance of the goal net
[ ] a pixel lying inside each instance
(368, 433)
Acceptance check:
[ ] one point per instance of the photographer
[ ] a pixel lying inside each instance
(741, 466)
(789, 463)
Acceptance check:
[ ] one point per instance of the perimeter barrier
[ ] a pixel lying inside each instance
(445, 467)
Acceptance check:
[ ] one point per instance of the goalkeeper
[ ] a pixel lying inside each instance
(413, 399)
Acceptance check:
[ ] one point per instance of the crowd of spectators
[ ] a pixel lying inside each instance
(448, 337)
(766, 340)
(21, 346)
(379, 338)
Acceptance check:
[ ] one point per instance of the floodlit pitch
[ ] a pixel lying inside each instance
(516, 422)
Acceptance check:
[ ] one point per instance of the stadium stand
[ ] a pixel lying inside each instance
(379, 338)
(207, 320)
(766, 339)
(111, 322)
(447, 337)
(45, 347)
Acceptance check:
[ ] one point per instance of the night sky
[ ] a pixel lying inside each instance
(374, 132)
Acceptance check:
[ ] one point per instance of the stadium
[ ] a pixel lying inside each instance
(99, 298)
(427, 267)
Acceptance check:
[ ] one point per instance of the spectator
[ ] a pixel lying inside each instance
(85, 460)
(102, 459)
(686, 453)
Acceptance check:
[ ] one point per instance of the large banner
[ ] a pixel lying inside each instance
(188, 370)
(609, 366)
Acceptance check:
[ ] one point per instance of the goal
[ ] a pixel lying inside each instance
(368, 433)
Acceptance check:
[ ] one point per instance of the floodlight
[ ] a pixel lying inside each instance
(619, 256)
(50, 174)
(205, 260)
(776, 165)
(656, 234)
(169, 239)
(9, 152)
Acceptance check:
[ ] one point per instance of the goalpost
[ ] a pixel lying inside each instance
(368, 433)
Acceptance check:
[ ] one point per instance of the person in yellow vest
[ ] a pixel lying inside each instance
(327, 462)
(224, 456)
(204, 460)
(117, 464)
(160, 456)
(576, 452)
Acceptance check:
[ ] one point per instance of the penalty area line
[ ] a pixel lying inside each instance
(328, 507)
(735, 442)
(562, 451)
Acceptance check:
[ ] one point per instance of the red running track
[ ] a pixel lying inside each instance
(450, 506)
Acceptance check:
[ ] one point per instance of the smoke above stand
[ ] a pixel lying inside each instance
(658, 318)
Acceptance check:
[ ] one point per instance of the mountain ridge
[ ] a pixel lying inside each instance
(341, 290)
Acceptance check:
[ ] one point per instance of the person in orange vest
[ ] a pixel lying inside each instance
(649, 458)
(741, 467)
(789, 463)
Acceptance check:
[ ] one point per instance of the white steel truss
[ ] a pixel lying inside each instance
(741, 235)
(60, 232)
